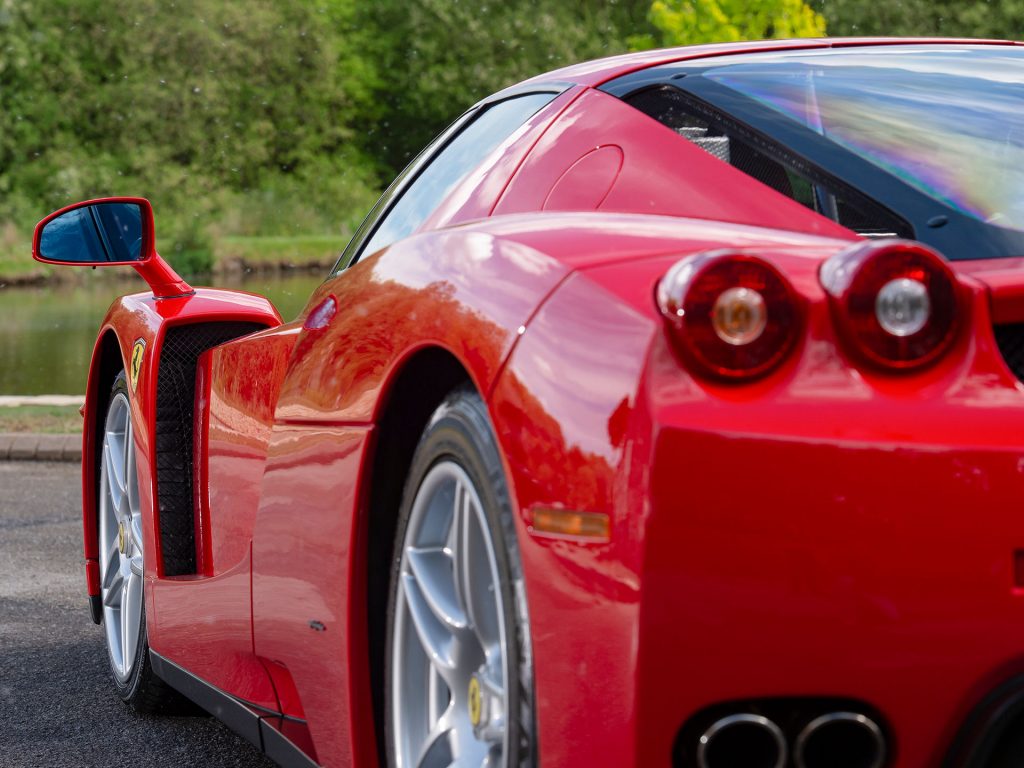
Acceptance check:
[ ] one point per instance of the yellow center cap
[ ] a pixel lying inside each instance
(475, 703)
(120, 536)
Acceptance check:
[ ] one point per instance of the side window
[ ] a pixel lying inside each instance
(467, 149)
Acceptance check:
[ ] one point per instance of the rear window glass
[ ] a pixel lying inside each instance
(772, 166)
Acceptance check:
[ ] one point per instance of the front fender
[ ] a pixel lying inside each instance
(141, 320)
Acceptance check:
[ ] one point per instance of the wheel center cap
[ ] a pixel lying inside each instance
(476, 704)
(121, 535)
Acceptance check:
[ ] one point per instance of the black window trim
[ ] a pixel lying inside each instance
(956, 235)
(380, 210)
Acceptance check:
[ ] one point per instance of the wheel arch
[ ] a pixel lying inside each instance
(414, 392)
(107, 362)
(133, 320)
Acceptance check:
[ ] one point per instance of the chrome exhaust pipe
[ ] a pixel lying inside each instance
(840, 740)
(744, 740)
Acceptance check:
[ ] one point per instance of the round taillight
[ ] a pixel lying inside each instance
(895, 302)
(732, 315)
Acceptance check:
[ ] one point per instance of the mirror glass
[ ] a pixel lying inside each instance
(98, 233)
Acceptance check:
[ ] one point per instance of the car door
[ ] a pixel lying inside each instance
(309, 613)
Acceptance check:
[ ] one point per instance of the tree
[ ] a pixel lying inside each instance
(948, 18)
(435, 58)
(688, 22)
(220, 112)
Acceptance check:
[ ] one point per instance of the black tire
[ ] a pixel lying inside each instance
(143, 691)
(460, 430)
(147, 693)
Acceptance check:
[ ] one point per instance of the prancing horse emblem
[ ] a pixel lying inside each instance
(138, 352)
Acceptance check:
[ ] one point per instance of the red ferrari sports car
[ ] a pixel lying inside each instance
(665, 411)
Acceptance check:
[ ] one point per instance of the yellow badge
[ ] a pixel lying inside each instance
(475, 702)
(138, 352)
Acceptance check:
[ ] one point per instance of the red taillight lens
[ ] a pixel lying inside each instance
(732, 315)
(896, 303)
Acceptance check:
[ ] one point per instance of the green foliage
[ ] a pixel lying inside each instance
(262, 118)
(208, 108)
(688, 22)
(1000, 19)
(273, 119)
(436, 58)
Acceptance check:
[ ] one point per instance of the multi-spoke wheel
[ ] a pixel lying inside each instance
(121, 563)
(459, 676)
(120, 539)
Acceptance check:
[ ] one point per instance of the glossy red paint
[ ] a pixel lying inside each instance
(145, 318)
(599, 71)
(1002, 278)
(476, 195)
(829, 529)
(200, 466)
(835, 575)
(142, 317)
(463, 290)
(245, 379)
(305, 577)
(587, 182)
(688, 181)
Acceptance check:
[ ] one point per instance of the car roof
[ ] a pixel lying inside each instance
(599, 71)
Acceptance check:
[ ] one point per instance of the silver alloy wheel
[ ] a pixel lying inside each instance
(449, 649)
(120, 540)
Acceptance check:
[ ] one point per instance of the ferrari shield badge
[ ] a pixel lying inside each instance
(138, 352)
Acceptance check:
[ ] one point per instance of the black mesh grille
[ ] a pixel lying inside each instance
(1010, 339)
(176, 386)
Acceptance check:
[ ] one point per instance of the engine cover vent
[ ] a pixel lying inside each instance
(1010, 339)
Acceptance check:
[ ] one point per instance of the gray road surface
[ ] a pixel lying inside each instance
(57, 707)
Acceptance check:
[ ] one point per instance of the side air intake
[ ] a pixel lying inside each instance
(176, 389)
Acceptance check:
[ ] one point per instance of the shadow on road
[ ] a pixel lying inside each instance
(57, 705)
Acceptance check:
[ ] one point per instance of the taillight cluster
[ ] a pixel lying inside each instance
(731, 315)
(895, 303)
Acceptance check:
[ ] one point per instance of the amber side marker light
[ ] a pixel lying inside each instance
(567, 523)
(730, 315)
(896, 303)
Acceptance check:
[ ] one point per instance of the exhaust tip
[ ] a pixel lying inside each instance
(840, 740)
(748, 740)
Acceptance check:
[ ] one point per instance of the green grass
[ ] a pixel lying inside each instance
(297, 251)
(16, 261)
(49, 419)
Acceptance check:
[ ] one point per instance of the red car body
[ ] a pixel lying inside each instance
(827, 530)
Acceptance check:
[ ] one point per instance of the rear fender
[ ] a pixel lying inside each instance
(465, 295)
(134, 329)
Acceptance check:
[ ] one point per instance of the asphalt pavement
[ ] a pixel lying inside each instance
(57, 706)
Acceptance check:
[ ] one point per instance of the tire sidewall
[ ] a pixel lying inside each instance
(129, 689)
(460, 431)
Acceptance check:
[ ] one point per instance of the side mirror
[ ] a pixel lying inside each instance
(105, 232)
(116, 230)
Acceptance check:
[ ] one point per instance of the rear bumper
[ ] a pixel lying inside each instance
(822, 566)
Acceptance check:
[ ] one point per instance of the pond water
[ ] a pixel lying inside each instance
(47, 332)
